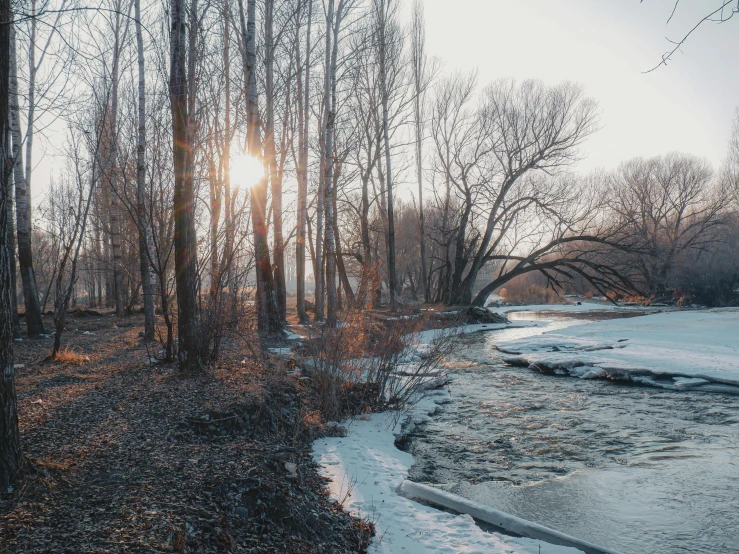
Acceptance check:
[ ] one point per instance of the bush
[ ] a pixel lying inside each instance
(529, 288)
(533, 294)
(362, 365)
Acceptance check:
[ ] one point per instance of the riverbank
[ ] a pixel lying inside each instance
(128, 455)
(627, 465)
(366, 470)
(694, 349)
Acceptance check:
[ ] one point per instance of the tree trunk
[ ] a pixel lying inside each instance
(303, 96)
(391, 277)
(268, 317)
(10, 230)
(228, 255)
(147, 279)
(23, 205)
(115, 210)
(332, 28)
(418, 55)
(344, 278)
(321, 196)
(185, 242)
(271, 155)
(10, 448)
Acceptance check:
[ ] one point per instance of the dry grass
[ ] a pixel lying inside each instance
(69, 356)
(357, 366)
(532, 294)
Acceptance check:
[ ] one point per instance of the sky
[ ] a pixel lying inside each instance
(606, 46)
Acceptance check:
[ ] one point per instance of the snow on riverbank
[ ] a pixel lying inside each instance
(584, 306)
(680, 349)
(366, 471)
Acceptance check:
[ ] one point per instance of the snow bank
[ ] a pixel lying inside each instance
(424, 338)
(677, 350)
(366, 471)
(584, 306)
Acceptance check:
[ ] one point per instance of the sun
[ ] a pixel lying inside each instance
(246, 170)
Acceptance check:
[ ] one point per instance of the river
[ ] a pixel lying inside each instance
(637, 469)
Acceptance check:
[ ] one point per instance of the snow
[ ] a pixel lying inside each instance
(366, 470)
(280, 351)
(679, 349)
(423, 338)
(584, 306)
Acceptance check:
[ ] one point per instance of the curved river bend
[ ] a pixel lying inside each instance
(640, 470)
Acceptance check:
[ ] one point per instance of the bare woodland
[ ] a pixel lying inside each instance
(222, 160)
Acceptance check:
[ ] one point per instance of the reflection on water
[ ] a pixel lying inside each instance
(638, 469)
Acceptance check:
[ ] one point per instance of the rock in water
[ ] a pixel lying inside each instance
(476, 314)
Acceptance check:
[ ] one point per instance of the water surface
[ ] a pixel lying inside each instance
(637, 469)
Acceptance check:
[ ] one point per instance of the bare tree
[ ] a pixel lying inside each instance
(268, 317)
(666, 206)
(10, 448)
(185, 240)
(528, 128)
(422, 75)
(384, 13)
(147, 281)
(303, 115)
(70, 207)
(22, 204)
(721, 12)
(120, 30)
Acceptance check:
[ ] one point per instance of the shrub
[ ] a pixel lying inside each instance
(68, 356)
(363, 365)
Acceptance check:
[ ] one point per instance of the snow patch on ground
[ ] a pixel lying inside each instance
(676, 350)
(280, 351)
(366, 470)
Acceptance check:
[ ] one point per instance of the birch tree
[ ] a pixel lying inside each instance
(147, 279)
(10, 448)
(120, 28)
(22, 197)
(303, 116)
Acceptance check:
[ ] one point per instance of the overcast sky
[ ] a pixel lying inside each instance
(606, 45)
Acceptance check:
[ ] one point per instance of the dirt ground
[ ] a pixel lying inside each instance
(126, 455)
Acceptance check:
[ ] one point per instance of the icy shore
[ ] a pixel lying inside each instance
(366, 471)
(678, 350)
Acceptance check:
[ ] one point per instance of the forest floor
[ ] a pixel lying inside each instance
(129, 456)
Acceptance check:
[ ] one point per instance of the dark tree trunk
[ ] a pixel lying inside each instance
(268, 317)
(185, 242)
(275, 176)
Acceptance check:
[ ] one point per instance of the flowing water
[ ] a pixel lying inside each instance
(637, 469)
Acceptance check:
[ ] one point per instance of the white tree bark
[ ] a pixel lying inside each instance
(22, 203)
(147, 277)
